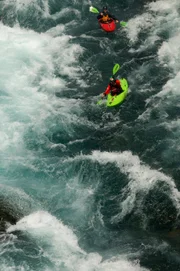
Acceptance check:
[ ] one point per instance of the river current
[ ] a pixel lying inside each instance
(84, 187)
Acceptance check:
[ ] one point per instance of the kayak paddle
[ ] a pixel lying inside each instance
(123, 24)
(93, 10)
(114, 71)
(100, 101)
(116, 68)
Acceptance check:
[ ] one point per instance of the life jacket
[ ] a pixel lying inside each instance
(117, 85)
(105, 18)
(113, 89)
(116, 89)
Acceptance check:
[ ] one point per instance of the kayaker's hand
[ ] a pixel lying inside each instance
(117, 21)
(102, 95)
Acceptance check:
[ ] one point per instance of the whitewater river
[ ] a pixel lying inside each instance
(84, 187)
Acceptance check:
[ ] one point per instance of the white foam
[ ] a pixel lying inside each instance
(56, 31)
(60, 245)
(23, 5)
(163, 6)
(28, 83)
(169, 53)
(160, 17)
(141, 178)
(64, 12)
(137, 24)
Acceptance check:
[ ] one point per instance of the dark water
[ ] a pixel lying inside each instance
(85, 187)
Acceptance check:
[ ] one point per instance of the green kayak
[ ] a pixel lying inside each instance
(118, 99)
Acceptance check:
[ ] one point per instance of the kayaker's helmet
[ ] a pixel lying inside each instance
(105, 9)
(112, 80)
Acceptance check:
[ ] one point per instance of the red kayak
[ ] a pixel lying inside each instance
(108, 27)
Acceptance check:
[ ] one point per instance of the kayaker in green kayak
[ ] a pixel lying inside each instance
(114, 87)
(116, 90)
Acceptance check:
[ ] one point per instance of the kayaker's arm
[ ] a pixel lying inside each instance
(100, 16)
(113, 17)
(107, 91)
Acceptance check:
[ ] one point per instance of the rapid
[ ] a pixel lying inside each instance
(84, 187)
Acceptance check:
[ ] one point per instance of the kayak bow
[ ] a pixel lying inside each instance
(108, 27)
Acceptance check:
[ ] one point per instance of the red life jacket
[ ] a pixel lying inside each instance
(113, 87)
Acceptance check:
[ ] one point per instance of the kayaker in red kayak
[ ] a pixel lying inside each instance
(105, 16)
(114, 87)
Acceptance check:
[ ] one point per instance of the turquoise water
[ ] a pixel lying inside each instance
(85, 187)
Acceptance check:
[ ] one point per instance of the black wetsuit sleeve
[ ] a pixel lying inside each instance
(99, 17)
(112, 16)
